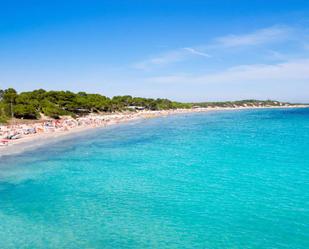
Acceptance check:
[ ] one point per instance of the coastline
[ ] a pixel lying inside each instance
(31, 142)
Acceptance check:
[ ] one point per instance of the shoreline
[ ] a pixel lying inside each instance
(31, 142)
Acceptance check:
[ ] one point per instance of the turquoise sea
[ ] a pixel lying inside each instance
(230, 179)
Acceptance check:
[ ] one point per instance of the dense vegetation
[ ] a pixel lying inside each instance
(32, 105)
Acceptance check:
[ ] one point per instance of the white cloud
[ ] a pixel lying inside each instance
(261, 36)
(289, 71)
(194, 51)
(258, 37)
(160, 60)
(169, 57)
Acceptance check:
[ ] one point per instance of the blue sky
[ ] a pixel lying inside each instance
(183, 50)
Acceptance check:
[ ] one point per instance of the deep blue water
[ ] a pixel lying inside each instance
(233, 179)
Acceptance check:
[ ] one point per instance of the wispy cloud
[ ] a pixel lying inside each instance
(196, 52)
(170, 57)
(163, 59)
(275, 73)
(258, 37)
(261, 36)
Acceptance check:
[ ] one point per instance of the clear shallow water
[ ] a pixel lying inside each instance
(235, 179)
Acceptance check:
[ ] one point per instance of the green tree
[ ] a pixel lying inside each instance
(9, 97)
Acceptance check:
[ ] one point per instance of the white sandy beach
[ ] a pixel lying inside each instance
(32, 141)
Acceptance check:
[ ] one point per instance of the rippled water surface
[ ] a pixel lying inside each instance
(233, 179)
